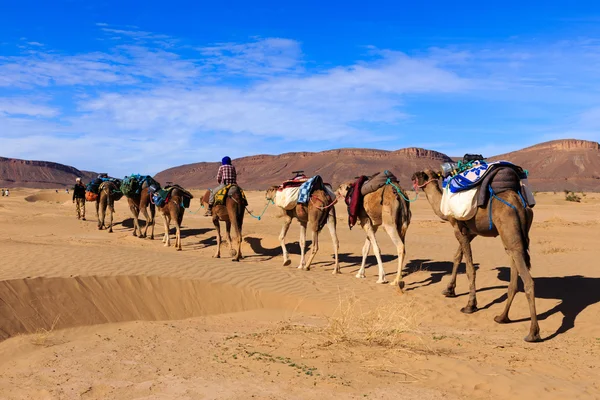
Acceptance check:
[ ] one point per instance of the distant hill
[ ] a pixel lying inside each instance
(560, 164)
(335, 166)
(553, 166)
(39, 174)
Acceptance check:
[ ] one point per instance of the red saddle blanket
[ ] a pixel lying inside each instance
(354, 200)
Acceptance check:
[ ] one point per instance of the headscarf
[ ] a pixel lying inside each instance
(78, 180)
(226, 161)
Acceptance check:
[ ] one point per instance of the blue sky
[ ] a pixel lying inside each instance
(136, 87)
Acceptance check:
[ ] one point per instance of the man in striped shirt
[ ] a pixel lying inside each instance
(226, 176)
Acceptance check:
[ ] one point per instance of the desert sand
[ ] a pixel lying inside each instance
(88, 314)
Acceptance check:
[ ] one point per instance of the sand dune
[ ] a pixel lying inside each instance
(85, 313)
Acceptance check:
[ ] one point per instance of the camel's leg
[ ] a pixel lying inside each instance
(371, 230)
(177, 235)
(284, 229)
(111, 211)
(218, 229)
(167, 239)
(153, 216)
(465, 244)
(365, 253)
(302, 243)
(450, 289)
(336, 243)
(516, 250)
(313, 250)
(229, 241)
(135, 211)
(399, 243)
(512, 290)
(238, 236)
(102, 215)
(534, 329)
(147, 224)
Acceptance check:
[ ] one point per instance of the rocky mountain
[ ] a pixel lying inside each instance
(39, 174)
(553, 166)
(335, 166)
(558, 165)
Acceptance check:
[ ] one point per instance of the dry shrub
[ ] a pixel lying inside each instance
(382, 325)
(42, 335)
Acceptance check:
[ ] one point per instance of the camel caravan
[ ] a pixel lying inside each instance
(476, 197)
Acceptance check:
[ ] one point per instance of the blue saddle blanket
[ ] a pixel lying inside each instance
(474, 176)
(316, 182)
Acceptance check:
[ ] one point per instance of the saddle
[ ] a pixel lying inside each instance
(363, 186)
(132, 185)
(160, 197)
(229, 190)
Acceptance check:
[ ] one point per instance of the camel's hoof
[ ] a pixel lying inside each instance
(287, 263)
(110, 231)
(306, 268)
(217, 256)
(533, 338)
(468, 310)
(360, 276)
(449, 292)
(235, 259)
(399, 284)
(142, 236)
(178, 249)
(99, 228)
(382, 281)
(336, 272)
(300, 266)
(134, 234)
(152, 237)
(502, 320)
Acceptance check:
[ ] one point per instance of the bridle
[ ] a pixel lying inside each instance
(416, 185)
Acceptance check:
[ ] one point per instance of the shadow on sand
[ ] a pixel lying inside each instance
(575, 293)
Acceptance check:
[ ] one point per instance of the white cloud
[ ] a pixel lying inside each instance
(17, 106)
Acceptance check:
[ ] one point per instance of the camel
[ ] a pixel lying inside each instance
(109, 193)
(140, 202)
(232, 213)
(513, 227)
(384, 207)
(320, 210)
(173, 210)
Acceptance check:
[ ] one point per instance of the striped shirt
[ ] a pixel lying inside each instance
(227, 174)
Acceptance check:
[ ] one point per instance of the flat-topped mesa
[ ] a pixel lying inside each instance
(566, 144)
(42, 164)
(417, 152)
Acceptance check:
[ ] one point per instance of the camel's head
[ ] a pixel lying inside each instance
(422, 178)
(342, 190)
(271, 192)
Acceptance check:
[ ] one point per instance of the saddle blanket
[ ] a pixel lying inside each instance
(221, 195)
(314, 183)
(473, 177)
(287, 198)
(460, 205)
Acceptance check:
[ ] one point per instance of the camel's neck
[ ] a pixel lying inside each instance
(434, 196)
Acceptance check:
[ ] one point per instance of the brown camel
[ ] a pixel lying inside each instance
(109, 193)
(513, 227)
(320, 211)
(232, 213)
(382, 207)
(173, 210)
(141, 202)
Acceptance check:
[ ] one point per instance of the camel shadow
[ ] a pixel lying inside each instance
(356, 260)
(575, 293)
(437, 269)
(260, 251)
(195, 231)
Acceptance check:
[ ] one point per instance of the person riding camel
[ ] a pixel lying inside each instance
(226, 176)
